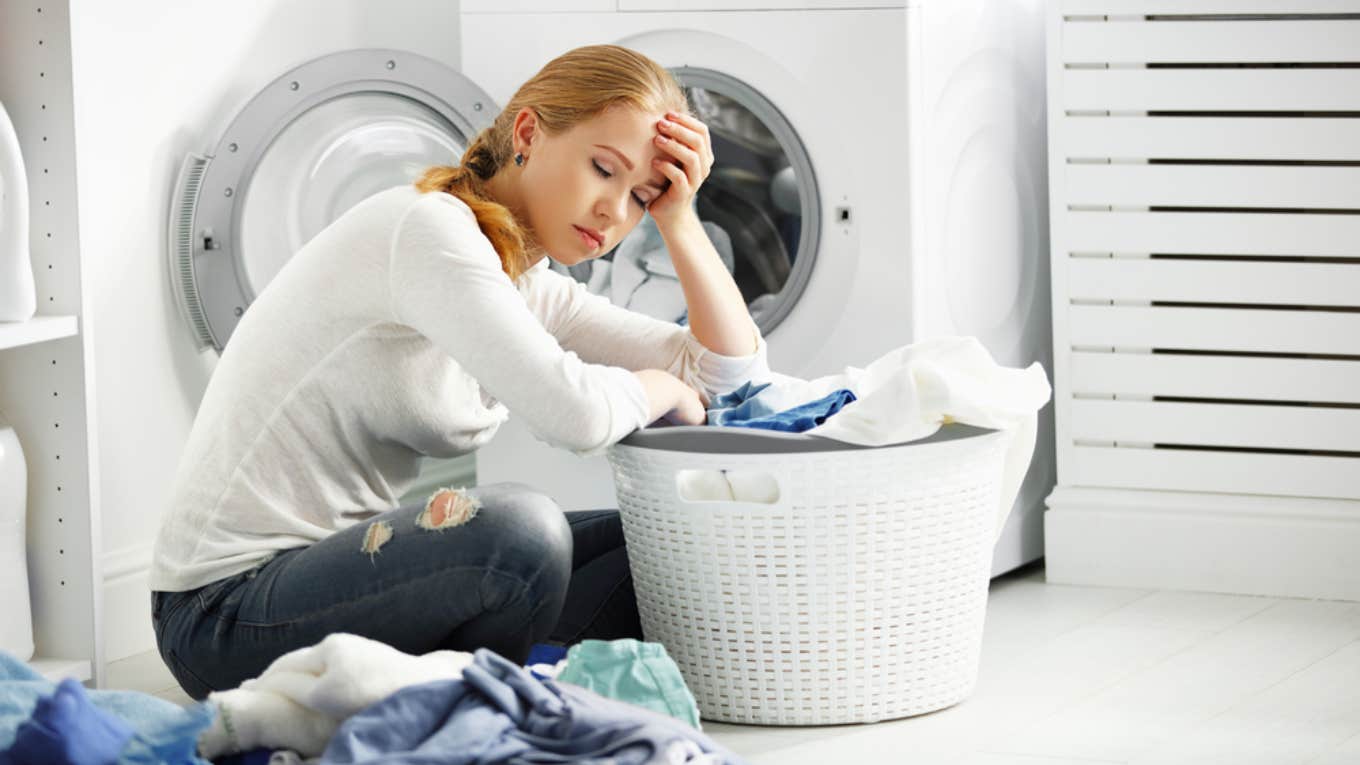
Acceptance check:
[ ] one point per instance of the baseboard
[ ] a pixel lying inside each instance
(1296, 547)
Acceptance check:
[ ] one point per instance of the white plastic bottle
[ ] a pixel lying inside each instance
(18, 301)
(16, 620)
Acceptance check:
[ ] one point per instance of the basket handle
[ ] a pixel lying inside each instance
(743, 486)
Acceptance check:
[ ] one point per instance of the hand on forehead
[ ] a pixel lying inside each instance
(632, 133)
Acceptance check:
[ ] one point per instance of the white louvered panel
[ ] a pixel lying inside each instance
(1215, 329)
(1212, 89)
(1207, 424)
(1269, 41)
(1213, 281)
(1229, 472)
(1221, 377)
(1202, 233)
(1233, 138)
(1213, 185)
(1140, 7)
(1204, 169)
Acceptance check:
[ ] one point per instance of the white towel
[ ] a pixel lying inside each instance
(740, 485)
(302, 697)
(906, 395)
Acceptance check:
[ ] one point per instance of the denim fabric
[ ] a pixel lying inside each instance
(499, 712)
(518, 572)
(744, 408)
(738, 406)
(600, 600)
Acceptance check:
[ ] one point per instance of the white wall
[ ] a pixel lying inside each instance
(153, 81)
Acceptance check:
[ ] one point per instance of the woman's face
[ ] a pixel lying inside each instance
(598, 177)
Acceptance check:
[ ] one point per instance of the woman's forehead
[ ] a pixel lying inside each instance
(624, 123)
(627, 132)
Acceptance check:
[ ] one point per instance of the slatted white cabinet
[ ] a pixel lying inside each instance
(1205, 221)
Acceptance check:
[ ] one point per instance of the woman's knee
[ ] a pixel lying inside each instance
(537, 537)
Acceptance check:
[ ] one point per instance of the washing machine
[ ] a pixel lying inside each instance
(879, 179)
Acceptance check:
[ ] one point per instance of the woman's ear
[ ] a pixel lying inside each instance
(525, 130)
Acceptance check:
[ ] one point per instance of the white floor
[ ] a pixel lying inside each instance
(1075, 675)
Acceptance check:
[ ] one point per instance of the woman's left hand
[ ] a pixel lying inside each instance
(686, 140)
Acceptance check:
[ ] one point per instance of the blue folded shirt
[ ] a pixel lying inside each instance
(744, 408)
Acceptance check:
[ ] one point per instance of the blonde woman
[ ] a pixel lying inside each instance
(414, 325)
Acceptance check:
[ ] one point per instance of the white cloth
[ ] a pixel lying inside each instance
(738, 485)
(644, 279)
(391, 335)
(906, 395)
(303, 696)
(549, 670)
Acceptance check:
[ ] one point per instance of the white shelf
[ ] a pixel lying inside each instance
(36, 330)
(57, 669)
(47, 363)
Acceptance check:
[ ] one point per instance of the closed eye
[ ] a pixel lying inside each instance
(607, 174)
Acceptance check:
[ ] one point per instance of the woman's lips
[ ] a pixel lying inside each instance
(588, 238)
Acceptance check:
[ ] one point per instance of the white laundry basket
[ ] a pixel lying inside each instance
(857, 595)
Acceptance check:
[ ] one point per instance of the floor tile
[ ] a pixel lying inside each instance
(1192, 686)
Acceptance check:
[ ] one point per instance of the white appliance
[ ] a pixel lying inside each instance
(16, 628)
(18, 301)
(884, 164)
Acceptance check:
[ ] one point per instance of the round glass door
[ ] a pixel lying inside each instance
(759, 207)
(309, 146)
(327, 161)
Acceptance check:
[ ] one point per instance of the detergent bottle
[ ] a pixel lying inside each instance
(16, 618)
(18, 301)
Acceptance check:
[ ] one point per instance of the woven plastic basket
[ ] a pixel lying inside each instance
(857, 595)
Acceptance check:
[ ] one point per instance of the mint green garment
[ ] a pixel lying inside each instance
(634, 672)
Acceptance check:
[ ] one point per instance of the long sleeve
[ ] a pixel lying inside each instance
(601, 332)
(446, 282)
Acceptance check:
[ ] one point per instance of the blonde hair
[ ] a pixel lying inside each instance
(573, 88)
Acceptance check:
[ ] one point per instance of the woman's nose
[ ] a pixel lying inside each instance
(615, 207)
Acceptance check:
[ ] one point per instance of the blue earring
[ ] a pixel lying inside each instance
(519, 159)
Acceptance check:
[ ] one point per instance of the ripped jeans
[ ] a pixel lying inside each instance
(519, 572)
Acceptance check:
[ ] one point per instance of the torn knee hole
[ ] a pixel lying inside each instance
(375, 536)
(447, 508)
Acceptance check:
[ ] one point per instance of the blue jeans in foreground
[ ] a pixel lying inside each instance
(519, 572)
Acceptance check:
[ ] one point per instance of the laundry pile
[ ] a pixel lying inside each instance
(56, 724)
(905, 395)
(349, 699)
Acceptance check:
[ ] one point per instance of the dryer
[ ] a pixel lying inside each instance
(879, 179)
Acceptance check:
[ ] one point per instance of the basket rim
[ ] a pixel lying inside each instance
(738, 440)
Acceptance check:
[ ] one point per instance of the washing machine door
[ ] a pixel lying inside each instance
(309, 146)
(760, 206)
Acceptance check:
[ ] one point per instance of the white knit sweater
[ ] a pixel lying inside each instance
(394, 334)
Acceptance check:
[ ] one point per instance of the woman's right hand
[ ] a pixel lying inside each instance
(671, 398)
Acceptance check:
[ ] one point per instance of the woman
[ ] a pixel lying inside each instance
(414, 325)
